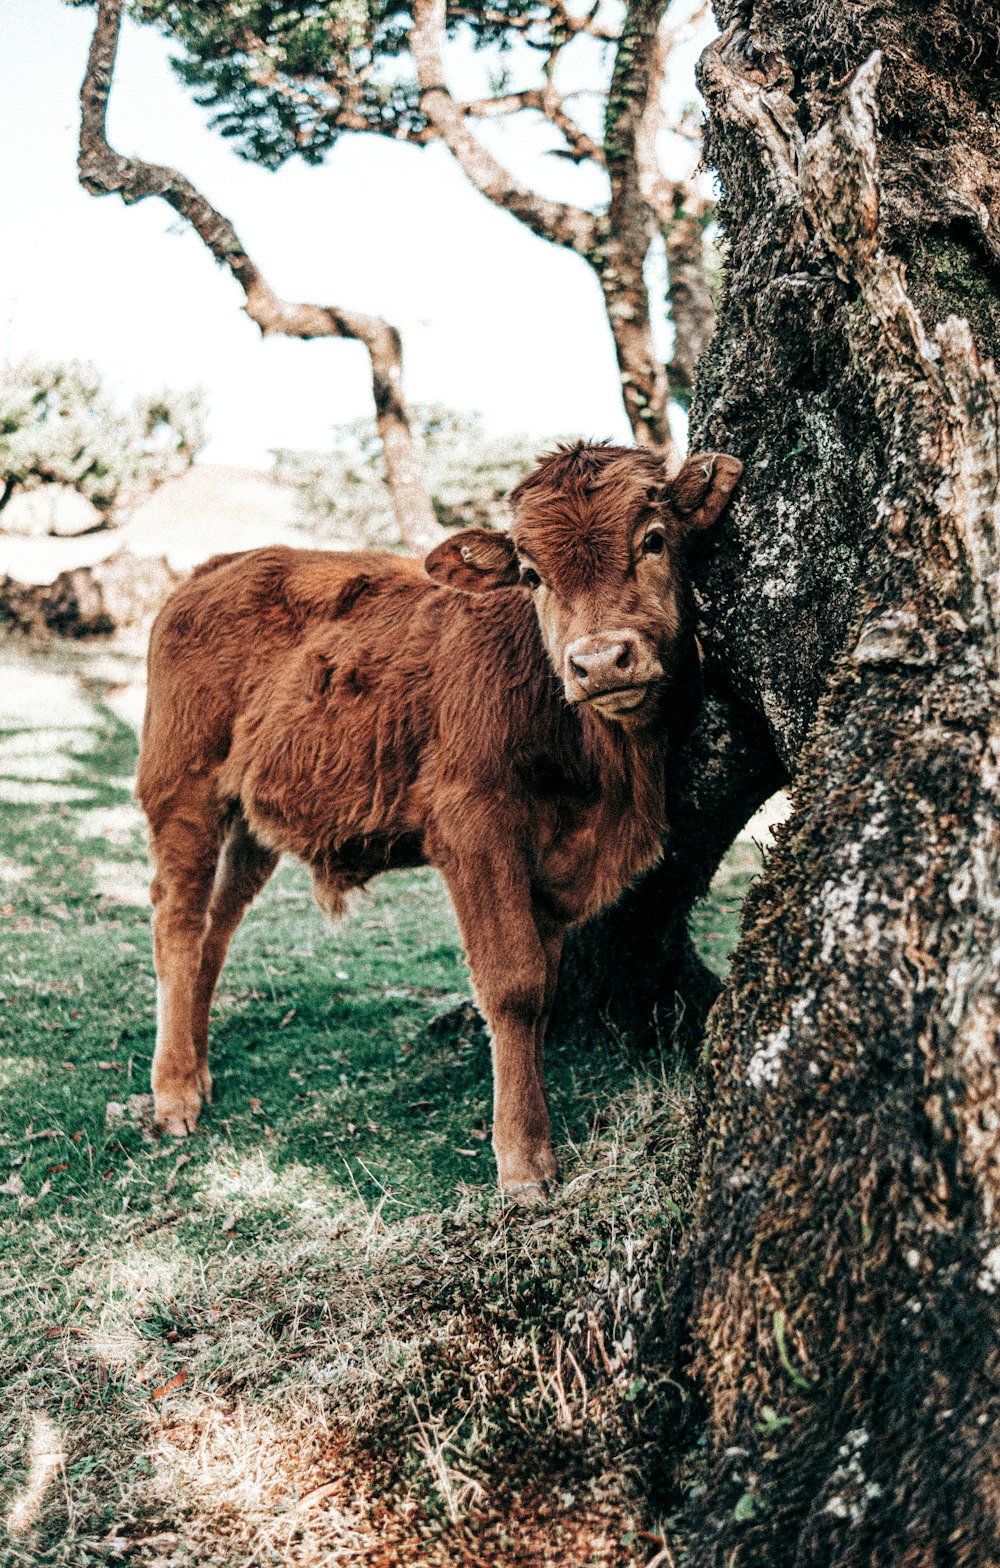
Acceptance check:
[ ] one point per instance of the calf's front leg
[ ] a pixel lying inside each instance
(511, 972)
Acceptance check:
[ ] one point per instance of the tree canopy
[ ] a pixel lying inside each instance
(289, 80)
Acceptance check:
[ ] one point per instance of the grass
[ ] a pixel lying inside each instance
(715, 922)
(308, 1334)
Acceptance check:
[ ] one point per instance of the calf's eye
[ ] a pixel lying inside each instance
(655, 542)
(530, 578)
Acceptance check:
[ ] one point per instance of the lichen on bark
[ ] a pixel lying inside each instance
(836, 1319)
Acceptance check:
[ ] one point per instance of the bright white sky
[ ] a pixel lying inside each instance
(493, 319)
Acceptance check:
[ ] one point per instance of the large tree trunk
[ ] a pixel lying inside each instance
(844, 1275)
(837, 1320)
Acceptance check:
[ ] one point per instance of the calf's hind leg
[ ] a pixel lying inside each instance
(185, 848)
(244, 866)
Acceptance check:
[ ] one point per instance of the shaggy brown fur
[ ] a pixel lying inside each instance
(354, 711)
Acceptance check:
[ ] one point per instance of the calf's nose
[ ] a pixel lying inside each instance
(603, 664)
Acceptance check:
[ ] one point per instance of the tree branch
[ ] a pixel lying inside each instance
(629, 231)
(103, 171)
(548, 101)
(503, 103)
(571, 24)
(689, 294)
(587, 23)
(559, 222)
(658, 190)
(581, 148)
(344, 112)
(681, 213)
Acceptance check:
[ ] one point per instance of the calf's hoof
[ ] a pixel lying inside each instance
(175, 1110)
(527, 1180)
(526, 1194)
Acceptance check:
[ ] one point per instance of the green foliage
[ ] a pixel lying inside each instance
(60, 425)
(282, 80)
(343, 493)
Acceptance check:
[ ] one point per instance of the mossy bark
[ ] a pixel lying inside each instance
(838, 1316)
(836, 1321)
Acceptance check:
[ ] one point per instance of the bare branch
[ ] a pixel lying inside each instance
(559, 16)
(629, 232)
(587, 23)
(483, 14)
(692, 308)
(660, 192)
(104, 172)
(503, 103)
(559, 222)
(681, 213)
(580, 147)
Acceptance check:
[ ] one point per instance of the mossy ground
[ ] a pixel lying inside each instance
(308, 1334)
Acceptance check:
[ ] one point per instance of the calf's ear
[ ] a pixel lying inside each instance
(699, 492)
(474, 561)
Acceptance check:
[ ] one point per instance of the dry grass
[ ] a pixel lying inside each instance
(458, 1386)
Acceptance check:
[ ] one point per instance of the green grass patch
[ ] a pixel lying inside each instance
(715, 922)
(307, 1334)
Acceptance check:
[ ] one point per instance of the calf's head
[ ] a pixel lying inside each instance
(598, 541)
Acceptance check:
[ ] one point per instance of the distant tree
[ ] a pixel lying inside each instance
(104, 171)
(468, 476)
(290, 80)
(59, 425)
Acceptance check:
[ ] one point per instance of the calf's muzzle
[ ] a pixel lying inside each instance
(609, 665)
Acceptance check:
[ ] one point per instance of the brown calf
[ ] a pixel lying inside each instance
(504, 715)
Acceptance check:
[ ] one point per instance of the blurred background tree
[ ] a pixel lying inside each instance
(61, 426)
(343, 496)
(290, 80)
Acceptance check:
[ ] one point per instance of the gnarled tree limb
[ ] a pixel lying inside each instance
(682, 213)
(615, 243)
(103, 171)
(628, 232)
(692, 308)
(285, 86)
(559, 222)
(579, 146)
